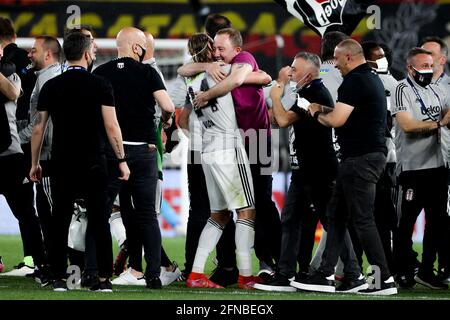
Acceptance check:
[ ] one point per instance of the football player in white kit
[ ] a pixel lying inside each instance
(227, 173)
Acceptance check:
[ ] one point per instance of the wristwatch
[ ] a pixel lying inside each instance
(124, 159)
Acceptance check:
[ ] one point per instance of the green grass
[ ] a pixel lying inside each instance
(15, 288)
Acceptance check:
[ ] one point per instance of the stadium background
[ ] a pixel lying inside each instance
(270, 33)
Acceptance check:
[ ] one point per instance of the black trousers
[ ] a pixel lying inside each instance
(19, 197)
(44, 202)
(306, 200)
(142, 221)
(69, 182)
(422, 189)
(353, 199)
(385, 214)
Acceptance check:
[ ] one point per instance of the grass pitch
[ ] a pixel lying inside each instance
(21, 288)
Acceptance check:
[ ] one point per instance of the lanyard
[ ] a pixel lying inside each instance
(440, 78)
(422, 104)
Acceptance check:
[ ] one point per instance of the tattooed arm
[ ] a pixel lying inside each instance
(239, 72)
(37, 138)
(410, 125)
(115, 138)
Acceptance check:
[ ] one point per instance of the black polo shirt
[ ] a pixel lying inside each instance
(311, 143)
(74, 102)
(134, 84)
(364, 130)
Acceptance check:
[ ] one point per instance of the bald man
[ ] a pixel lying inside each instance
(137, 89)
(359, 117)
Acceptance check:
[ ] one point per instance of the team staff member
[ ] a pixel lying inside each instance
(306, 190)
(88, 100)
(45, 55)
(137, 89)
(439, 52)
(360, 119)
(420, 111)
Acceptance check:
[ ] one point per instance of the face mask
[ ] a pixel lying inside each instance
(142, 55)
(382, 64)
(293, 85)
(423, 77)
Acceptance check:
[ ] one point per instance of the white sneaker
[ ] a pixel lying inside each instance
(167, 277)
(20, 271)
(128, 279)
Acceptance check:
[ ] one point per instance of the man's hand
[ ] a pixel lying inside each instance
(167, 124)
(215, 71)
(283, 75)
(314, 107)
(124, 171)
(277, 91)
(36, 173)
(201, 99)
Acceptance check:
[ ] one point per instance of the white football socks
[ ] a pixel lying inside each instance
(208, 240)
(245, 237)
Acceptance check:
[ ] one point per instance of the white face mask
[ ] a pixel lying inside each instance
(382, 64)
(293, 85)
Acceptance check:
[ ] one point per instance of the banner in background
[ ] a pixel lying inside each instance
(327, 15)
(402, 23)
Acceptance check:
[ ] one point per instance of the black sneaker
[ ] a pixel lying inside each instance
(42, 276)
(153, 283)
(316, 281)
(59, 285)
(352, 285)
(183, 276)
(301, 275)
(102, 286)
(278, 283)
(444, 276)
(387, 288)
(89, 280)
(224, 277)
(430, 280)
(405, 281)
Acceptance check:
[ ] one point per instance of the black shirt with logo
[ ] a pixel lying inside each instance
(74, 102)
(311, 143)
(364, 130)
(134, 84)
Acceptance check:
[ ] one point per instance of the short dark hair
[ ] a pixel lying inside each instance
(75, 45)
(235, 36)
(442, 44)
(6, 29)
(414, 52)
(216, 22)
(329, 42)
(83, 27)
(368, 47)
(52, 44)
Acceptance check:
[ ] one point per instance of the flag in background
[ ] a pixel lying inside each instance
(328, 15)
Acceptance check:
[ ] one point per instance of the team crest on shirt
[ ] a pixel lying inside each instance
(321, 13)
(120, 65)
